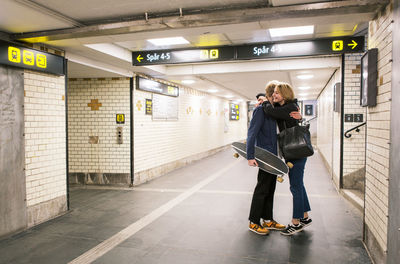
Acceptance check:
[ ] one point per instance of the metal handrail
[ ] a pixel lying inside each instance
(347, 135)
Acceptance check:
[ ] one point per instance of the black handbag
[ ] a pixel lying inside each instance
(295, 142)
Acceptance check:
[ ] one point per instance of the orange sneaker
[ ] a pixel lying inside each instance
(273, 225)
(258, 229)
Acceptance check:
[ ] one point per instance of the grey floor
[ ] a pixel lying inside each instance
(209, 226)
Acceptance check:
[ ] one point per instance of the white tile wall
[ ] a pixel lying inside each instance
(107, 156)
(378, 131)
(45, 139)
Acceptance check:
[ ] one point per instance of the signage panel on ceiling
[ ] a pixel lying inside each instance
(182, 56)
(156, 87)
(254, 51)
(19, 56)
(301, 48)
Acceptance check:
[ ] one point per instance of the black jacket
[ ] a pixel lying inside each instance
(281, 113)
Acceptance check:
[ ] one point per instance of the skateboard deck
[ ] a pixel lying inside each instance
(266, 160)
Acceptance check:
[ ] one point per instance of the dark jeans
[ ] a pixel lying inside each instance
(263, 197)
(300, 199)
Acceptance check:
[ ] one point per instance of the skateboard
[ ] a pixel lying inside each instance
(267, 161)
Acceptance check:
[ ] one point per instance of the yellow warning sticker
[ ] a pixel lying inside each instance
(14, 54)
(28, 57)
(41, 61)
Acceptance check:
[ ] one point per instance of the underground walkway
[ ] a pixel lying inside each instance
(197, 214)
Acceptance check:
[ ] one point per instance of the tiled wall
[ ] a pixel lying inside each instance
(203, 125)
(92, 129)
(45, 143)
(378, 135)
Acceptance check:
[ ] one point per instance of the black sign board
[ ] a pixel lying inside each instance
(19, 56)
(358, 118)
(149, 107)
(301, 48)
(254, 51)
(156, 87)
(182, 56)
(348, 118)
(233, 111)
(120, 118)
(309, 110)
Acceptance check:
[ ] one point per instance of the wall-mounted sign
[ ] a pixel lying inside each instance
(233, 111)
(182, 56)
(308, 110)
(369, 75)
(349, 118)
(301, 48)
(156, 87)
(358, 118)
(19, 56)
(120, 118)
(149, 107)
(253, 51)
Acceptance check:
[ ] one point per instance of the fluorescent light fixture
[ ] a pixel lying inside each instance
(303, 94)
(291, 31)
(304, 87)
(168, 41)
(188, 81)
(229, 96)
(212, 90)
(305, 76)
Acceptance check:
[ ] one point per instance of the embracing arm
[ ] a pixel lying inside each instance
(282, 113)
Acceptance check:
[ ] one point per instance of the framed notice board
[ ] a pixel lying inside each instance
(233, 111)
(165, 107)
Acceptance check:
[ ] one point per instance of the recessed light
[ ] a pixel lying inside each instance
(303, 94)
(229, 96)
(188, 81)
(291, 31)
(212, 90)
(168, 41)
(304, 87)
(305, 76)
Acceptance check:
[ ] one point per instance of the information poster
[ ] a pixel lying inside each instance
(165, 107)
(233, 111)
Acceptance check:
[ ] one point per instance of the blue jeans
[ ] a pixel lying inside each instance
(300, 199)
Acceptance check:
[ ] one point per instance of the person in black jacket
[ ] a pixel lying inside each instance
(262, 132)
(284, 104)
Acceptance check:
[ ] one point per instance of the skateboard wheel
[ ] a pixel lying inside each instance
(290, 165)
(279, 179)
(236, 155)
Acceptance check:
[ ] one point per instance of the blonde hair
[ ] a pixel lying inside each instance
(286, 91)
(270, 87)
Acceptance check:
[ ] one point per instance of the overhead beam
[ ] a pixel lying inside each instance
(210, 18)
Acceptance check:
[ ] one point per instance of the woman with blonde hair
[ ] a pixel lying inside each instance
(285, 103)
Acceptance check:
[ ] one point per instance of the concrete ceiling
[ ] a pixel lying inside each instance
(121, 26)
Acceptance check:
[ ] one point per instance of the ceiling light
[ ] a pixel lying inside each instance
(303, 94)
(212, 90)
(168, 41)
(188, 81)
(305, 76)
(291, 31)
(304, 87)
(229, 96)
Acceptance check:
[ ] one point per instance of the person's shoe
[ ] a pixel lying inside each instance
(272, 225)
(292, 229)
(305, 221)
(258, 229)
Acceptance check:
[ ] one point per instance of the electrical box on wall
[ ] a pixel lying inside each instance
(119, 135)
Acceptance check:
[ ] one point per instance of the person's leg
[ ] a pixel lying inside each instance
(270, 182)
(259, 195)
(296, 175)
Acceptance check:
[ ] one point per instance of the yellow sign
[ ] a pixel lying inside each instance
(14, 54)
(139, 58)
(353, 44)
(28, 57)
(120, 118)
(214, 54)
(337, 45)
(41, 61)
(171, 90)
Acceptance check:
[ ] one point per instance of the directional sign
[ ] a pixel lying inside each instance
(301, 48)
(19, 56)
(156, 87)
(182, 56)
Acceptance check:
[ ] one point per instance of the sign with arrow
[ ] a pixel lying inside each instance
(253, 51)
